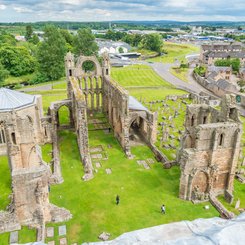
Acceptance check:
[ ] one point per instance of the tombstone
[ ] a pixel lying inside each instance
(62, 230)
(108, 171)
(237, 206)
(150, 161)
(63, 241)
(50, 231)
(51, 243)
(97, 165)
(104, 236)
(14, 237)
(146, 166)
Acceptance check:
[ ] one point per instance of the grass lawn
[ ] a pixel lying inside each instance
(175, 51)
(138, 76)
(181, 73)
(142, 191)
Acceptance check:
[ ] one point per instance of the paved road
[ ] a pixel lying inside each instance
(163, 70)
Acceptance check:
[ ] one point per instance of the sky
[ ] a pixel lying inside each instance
(108, 10)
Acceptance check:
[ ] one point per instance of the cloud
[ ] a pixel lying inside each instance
(2, 7)
(96, 10)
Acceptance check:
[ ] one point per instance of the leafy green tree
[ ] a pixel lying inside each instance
(3, 73)
(152, 42)
(29, 32)
(34, 39)
(7, 39)
(17, 60)
(84, 43)
(120, 50)
(235, 63)
(51, 53)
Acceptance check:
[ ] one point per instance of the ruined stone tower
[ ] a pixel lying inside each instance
(22, 132)
(209, 150)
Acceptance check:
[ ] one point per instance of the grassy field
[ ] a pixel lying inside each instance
(181, 73)
(175, 52)
(138, 76)
(142, 191)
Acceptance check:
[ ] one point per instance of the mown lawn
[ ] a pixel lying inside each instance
(138, 76)
(175, 52)
(142, 191)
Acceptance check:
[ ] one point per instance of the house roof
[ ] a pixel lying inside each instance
(240, 54)
(219, 68)
(134, 104)
(10, 99)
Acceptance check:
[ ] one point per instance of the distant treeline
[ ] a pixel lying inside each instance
(126, 25)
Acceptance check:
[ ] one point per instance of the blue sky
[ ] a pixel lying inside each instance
(105, 10)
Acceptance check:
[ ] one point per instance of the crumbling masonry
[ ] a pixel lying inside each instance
(95, 91)
(23, 128)
(210, 150)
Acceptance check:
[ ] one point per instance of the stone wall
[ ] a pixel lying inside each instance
(209, 150)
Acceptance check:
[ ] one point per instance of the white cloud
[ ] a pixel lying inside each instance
(2, 6)
(22, 10)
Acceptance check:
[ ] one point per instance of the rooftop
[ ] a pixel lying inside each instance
(10, 99)
(136, 105)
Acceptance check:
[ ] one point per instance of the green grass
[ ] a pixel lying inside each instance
(181, 73)
(175, 51)
(20, 79)
(142, 192)
(5, 182)
(138, 76)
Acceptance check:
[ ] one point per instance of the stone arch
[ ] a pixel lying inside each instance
(64, 118)
(93, 59)
(138, 128)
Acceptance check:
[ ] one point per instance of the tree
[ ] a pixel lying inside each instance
(29, 32)
(17, 60)
(235, 63)
(84, 43)
(51, 54)
(7, 39)
(152, 42)
(120, 50)
(3, 73)
(34, 39)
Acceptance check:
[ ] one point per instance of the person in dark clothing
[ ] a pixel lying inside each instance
(117, 199)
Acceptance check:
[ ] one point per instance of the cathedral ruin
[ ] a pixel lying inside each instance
(23, 129)
(210, 150)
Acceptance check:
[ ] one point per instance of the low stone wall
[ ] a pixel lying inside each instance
(224, 213)
(158, 154)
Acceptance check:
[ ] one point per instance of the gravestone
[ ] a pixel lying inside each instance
(146, 166)
(150, 161)
(50, 231)
(96, 156)
(63, 241)
(108, 171)
(62, 230)
(51, 243)
(14, 237)
(237, 206)
(104, 236)
(97, 165)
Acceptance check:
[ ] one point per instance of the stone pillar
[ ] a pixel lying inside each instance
(56, 155)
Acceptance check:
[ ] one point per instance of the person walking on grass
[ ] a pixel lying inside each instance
(117, 199)
(163, 209)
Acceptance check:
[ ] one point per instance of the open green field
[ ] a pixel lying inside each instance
(175, 52)
(138, 76)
